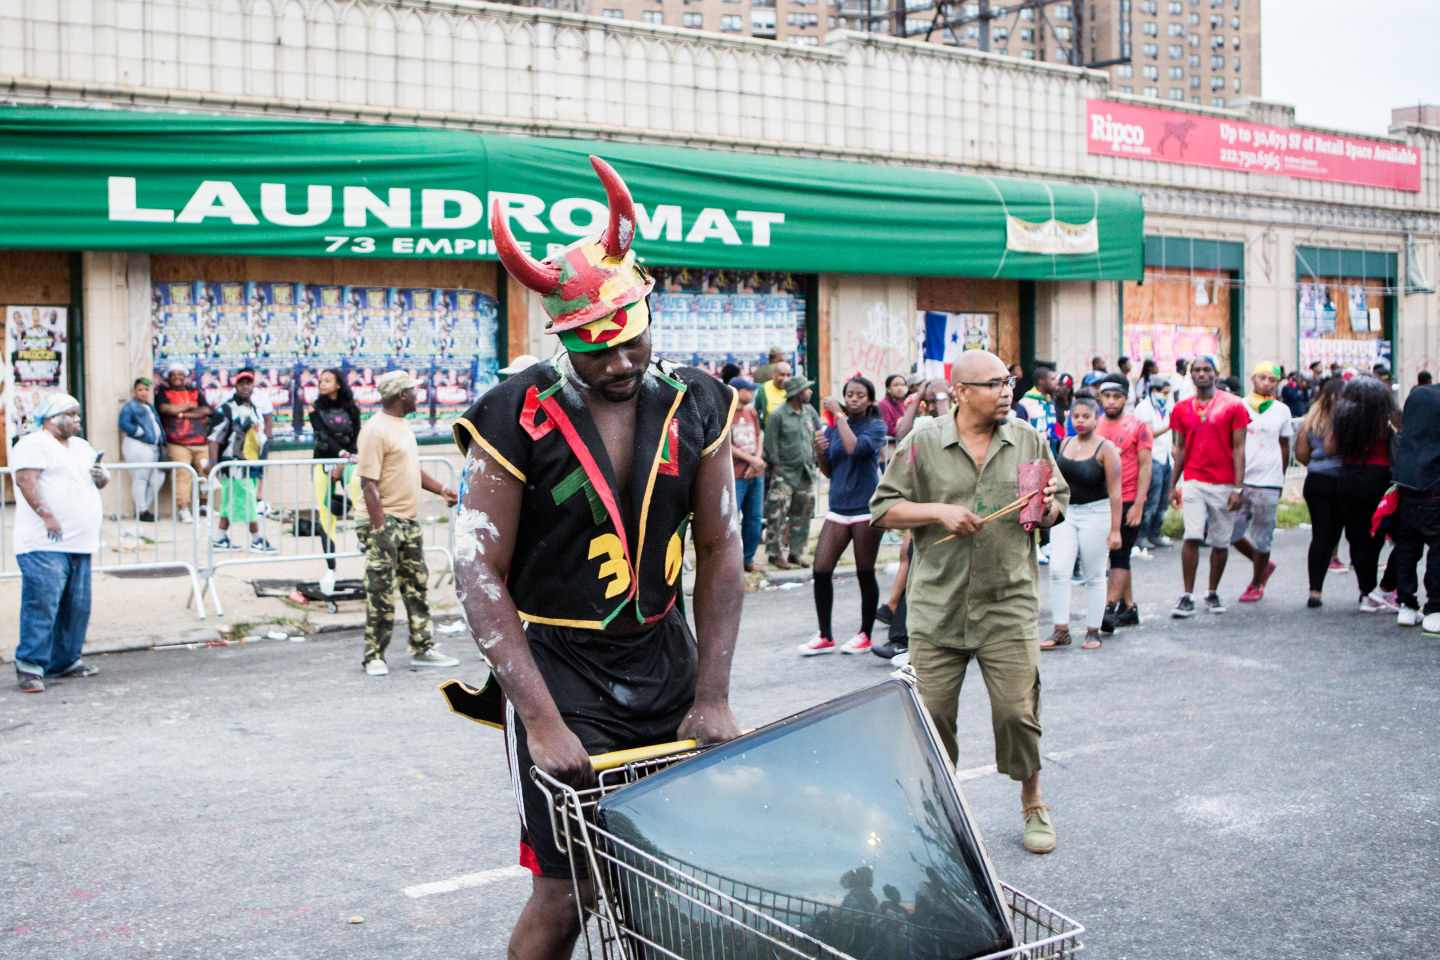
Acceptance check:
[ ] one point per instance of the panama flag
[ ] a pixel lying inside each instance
(944, 341)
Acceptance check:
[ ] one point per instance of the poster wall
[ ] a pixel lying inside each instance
(290, 332)
(708, 318)
(1164, 342)
(37, 363)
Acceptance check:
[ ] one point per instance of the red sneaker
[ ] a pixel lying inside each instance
(1252, 593)
(1265, 577)
(860, 643)
(817, 646)
(1337, 564)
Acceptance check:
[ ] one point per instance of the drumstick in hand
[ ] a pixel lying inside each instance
(1003, 511)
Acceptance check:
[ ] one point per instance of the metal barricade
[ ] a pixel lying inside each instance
(127, 544)
(294, 525)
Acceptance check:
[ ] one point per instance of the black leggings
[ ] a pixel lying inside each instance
(834, 537)
(1327, 524)
(1359, 490)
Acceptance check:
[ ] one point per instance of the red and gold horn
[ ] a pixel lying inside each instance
(621, 230)
(540, 277)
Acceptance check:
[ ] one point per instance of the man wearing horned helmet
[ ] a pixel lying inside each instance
(583, 475)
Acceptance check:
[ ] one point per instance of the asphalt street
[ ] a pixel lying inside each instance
(1258, 784)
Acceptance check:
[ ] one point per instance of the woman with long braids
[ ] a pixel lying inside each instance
(848, 452)
(335, 419)
(1322, 478)
(1360, 432)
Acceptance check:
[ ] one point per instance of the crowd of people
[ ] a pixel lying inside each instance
(1132, 445)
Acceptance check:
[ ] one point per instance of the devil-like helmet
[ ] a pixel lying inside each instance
(594, 290)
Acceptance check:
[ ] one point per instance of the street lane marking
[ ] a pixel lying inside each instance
(466, 880)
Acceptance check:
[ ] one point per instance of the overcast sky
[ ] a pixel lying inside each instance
(1345, 63)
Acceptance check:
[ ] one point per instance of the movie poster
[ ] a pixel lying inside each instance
(361, 373)
(454, 382)
(175, 322)
(328, 322)
(466, 329)
(372, 323)
(708, 318)
(1359, 315)
(224, 321)
(37, 363)
(1309, 310)
(422, 420)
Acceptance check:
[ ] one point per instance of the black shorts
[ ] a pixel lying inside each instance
(614, 693)
(1120, 559)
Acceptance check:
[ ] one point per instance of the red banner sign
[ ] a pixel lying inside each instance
(1171, 136)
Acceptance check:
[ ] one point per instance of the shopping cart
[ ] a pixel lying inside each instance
(647, 906)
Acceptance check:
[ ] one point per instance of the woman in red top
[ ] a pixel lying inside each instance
(1360, 435)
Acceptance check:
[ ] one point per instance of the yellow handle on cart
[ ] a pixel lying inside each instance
(618, 758)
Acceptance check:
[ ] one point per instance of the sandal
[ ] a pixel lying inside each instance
(1092, 640)
(1060, 638)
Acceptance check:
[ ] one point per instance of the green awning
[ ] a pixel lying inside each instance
(79, 179)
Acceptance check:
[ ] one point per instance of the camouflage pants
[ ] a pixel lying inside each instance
(791, 505)
(394, 553)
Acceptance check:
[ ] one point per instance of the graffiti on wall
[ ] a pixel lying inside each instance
(882, 343)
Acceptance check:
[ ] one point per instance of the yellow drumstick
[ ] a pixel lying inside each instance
(1003, 511)
(618, 758)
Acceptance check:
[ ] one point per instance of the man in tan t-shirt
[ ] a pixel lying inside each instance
(391, 481)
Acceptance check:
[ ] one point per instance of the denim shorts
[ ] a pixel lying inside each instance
(1257, 516)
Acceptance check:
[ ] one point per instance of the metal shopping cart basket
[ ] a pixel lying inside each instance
(656, 906)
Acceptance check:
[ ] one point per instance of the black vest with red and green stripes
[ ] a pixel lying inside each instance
(576, 562)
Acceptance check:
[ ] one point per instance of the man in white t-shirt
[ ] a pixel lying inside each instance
(57, 529)
(261, 401)
(1153, 410)
(1182, 387)
(1267, 452)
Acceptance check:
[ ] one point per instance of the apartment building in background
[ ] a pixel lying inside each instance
(1187, 51)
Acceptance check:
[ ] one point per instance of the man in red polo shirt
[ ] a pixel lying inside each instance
(1134, 441)
(1209, 453)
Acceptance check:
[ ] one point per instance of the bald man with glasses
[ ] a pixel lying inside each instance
(975, 597)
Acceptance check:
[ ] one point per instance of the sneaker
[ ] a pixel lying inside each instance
(1039, 829)
(1128, 617)
(1107, 624)
(327, 583)
(261, 545)
(901, 660)
(1213, 603)
(1431, 624)
(1043, 555)
(30, 683)
(79, 669)
(1163, 542)
(1143, 543)
(1408, 617)
(1391, 597)
(185, 516)
(1140, 553)
(1185, 608)
(262, 508)
(433, 658)
(221, 543)
(376, 668)
(816, 646)
(890, 650)
(1265, 577)
(146, 517)
(858, 643)
(1252, 593)
(1338, 565)
(1375, 602)
(885, 615)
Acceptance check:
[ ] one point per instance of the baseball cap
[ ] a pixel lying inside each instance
(1115, 381)
(743, 383)
(244, 375)
(176, 367)
(395, 383)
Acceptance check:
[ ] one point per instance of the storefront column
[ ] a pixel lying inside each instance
(1417, 332)
(871, 329)
(1269, 322)
(105, 347)
(1074, 321)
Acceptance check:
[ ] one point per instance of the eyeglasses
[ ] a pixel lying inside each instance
(992, 384)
